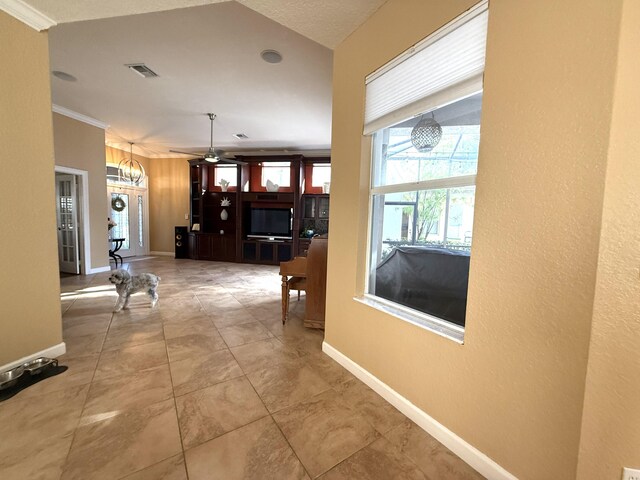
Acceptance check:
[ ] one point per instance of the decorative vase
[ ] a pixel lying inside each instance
(272, 187)
(223, 214)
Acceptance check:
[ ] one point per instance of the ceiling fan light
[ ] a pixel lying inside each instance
(211, 157)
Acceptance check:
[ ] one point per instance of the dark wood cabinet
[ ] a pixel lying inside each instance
(303, 247)
(221, 232)
(214, 216)
(315, 207)
(315, 213)
(265, 251)
(315, 219)
(192, 245)
(211, 246)
(199, 175)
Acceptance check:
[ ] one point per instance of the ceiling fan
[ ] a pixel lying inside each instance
(212, 155)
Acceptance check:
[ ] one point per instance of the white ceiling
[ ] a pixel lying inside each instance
(208, 60)
(327, 22)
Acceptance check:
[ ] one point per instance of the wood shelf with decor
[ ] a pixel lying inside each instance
(259, 226)
(213, 233)
(199, 179)
(271, 218)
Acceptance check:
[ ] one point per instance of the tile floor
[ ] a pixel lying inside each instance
(208, 385)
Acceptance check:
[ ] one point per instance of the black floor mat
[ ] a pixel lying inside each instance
(27, 380)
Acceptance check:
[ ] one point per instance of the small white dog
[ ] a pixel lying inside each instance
(127, 284)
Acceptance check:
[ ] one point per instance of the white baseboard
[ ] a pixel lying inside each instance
(100, 269)
(163, 254)
(471, 455)
(51, 352)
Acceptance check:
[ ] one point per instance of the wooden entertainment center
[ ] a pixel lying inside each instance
(223, 233)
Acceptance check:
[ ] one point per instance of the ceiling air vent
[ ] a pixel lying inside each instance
(142, 70)
(240, 136)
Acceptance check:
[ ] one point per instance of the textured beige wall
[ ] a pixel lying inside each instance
(81, 146)
(168, 200)
(515, 389)
(30, 288)
(610, 434)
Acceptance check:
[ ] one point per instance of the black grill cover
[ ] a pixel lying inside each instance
(431, 280)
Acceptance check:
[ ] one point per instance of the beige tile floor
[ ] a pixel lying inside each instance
(208, 385)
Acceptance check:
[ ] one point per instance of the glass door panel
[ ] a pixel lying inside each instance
(141, 225)
(120, 213)
(323, 207)
(66, 212)
(128, 209)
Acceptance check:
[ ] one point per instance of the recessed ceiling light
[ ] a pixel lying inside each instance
(271, 56)
(240, 136)
(64, 76)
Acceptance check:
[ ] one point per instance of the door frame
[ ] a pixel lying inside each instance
(84, 233)
(67, 220)
(133, 191)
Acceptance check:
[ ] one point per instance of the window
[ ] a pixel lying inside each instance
(320, 174)
(113, 177)
(112, 174)
(422, 200)
(140, 221)
(278, 172)
(228, 173)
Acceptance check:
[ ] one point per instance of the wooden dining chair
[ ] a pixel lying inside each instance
(294, 277)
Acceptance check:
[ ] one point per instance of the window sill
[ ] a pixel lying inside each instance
(423, 320)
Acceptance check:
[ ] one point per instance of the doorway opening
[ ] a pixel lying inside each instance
(72, 220)
(129, 210)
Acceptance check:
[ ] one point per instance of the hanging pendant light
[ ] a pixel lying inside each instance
(426, 134)
(130, 170)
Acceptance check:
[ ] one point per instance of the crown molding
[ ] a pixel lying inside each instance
(78, 116)
(27, 14)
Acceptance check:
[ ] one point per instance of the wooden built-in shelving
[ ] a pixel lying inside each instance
(226, 239)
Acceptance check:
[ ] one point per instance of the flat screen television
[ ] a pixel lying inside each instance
(272, 223)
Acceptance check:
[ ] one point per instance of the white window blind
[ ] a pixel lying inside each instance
(429, 75)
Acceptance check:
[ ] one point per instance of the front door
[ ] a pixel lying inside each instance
(128, 210)
(67, 218)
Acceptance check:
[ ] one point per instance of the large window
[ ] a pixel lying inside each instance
(321, 174)
(425, 142)
(431, 215)
(228, 173)
(277, 172)
(114, 178)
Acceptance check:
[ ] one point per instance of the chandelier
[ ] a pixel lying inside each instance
(130, 170)
(426, 134)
